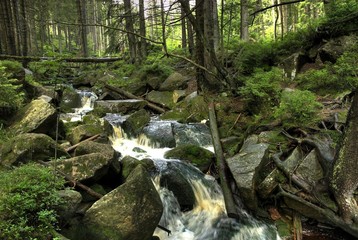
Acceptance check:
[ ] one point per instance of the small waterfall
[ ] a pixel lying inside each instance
(207, 220)
(87, 99)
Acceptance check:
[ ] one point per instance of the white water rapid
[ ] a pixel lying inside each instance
(207, 220)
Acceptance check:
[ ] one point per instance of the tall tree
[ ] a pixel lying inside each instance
(244, 22)
(142, 30)
(81, 8)
(130, 28)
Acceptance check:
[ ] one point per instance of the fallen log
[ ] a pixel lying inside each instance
(222, 167)
(74, 59)
(131, 96)
(326, 215)
(69, 149)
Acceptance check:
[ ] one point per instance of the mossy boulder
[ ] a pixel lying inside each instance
(191, 109)
(90, 167)
(72, 199)
(38, 116)
(173, 82)
(128, 164)
(137, 207)
(164, 98)
(198, 156)
(94, 147)
(134, 124)
(81, 132)
(28, 147)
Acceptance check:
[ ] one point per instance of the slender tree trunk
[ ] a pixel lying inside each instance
(81, 10)
(244, 33)
(142, 30)
(183, 29)
(24, 30)
(130, 29)
(162, 15)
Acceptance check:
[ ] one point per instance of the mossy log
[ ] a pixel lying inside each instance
(222, 166)
(75, 60)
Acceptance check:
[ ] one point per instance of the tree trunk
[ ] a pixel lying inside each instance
(162, 15)
(183, 29)
(130, 29)
(344, 180)
(142, 30)
(81, 10)
(244, 29)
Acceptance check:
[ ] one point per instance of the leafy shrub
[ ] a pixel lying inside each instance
(10, 95)
(46, 72)
(346, 67)
(28, 201)
(298, 108)
(262, 89)
(250, 56)
(321, 81)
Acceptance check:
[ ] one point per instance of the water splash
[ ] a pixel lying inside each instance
(207, 220)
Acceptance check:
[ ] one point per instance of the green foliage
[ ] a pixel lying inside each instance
(262, 89)
(46, 72)
(298, 108)
(346, 67)
(322, 81)
(28, 202)
(250, 56)
(10, 95)
(161, 71)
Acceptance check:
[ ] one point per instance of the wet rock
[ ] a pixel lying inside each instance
(38, 117)
(245, 167)
(164, 98)
(160, 134)
(128, 164)
(119, 106)
(176, 181)
(134, 124)
(71, 99)
(173, 82)
(94, 147)
(137, 207)
(90, 167)
(198, 156)
(195, 134)
(28, 147)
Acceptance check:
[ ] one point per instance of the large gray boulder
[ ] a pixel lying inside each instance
(38, 116)
(82, 132)
(119, 106)
(131, 211)
(28, 147)
(173, 82)
(90, 167)
(245, 167)
(160, 134)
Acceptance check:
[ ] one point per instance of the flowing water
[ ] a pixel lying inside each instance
(207, 220)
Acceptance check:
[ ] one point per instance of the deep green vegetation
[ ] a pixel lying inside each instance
(28, 202)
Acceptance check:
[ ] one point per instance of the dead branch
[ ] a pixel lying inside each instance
(275, 5)
(131, 96)
(69, 149)
(74, 182)
(327, 215)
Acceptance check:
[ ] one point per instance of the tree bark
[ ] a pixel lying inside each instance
(130, 28)
(142, 30)
(244, 23)
(344, 180)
